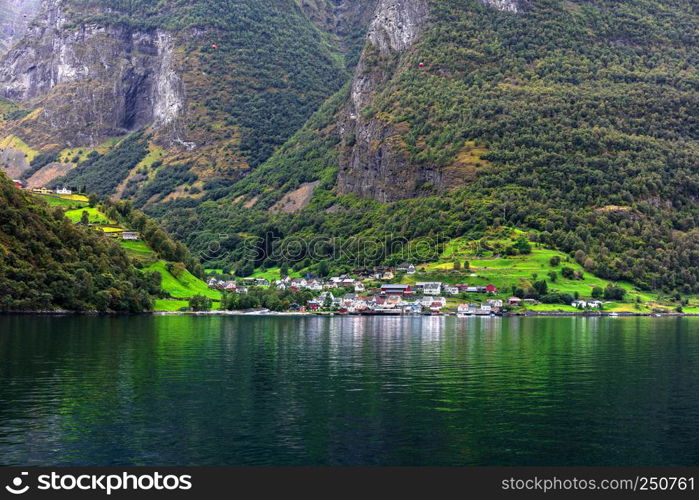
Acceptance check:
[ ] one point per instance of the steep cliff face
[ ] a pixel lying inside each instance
(372, 164)
(15, 17)
(91, 82)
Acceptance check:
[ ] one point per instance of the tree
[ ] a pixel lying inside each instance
(555, 261)
(467, 265)
(597, 292)
(85, 218)
(457, 266)
(568, 273)
(200, 303)
(553, 276)
(93, 200)
(613, 292)
(323, 268)
(541, 287)
(284, 270)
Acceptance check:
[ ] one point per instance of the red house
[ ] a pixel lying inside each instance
(18, 184)
(491, 289)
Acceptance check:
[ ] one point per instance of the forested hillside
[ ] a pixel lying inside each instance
(576, 121)
(47, 262)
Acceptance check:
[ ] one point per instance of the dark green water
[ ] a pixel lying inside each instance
(349, 391)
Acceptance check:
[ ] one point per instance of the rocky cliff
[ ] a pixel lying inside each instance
(90, 82)
(374, 163)
(15, 17)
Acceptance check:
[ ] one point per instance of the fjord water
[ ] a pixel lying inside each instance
(348, 391)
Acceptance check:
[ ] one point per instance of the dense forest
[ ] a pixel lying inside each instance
(589, 116)
(47, 262)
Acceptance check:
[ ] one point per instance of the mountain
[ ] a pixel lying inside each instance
(574, 120)
(47, 262)
(215, 85)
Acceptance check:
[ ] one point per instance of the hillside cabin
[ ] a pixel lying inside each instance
(18, 184)
(130, 236)
(64, 191)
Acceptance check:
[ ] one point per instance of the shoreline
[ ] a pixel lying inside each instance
(266, 313)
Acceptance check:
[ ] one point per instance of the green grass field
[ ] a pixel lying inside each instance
(519, 270)
(137, 249)
(184, 287)
(57, 201)
(165, 305)
(96, 217)
(272, 274)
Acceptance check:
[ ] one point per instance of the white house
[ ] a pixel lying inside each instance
(64, 191)
(130, 236)
(429, 288)
(451, 290)
(359, 287)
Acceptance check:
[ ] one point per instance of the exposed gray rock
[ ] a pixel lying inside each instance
(91, 82)
(372, 165)
(15, 17)
(505, 5)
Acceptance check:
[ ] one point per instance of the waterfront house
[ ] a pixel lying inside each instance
(313, 305)
(412, 308)
(495, 303)
(514, 301)
(579, 304)
(463, 309)
(594, 304)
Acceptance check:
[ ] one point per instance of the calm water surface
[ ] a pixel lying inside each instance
(349, 391)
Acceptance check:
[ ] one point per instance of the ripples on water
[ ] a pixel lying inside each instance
(349, 391)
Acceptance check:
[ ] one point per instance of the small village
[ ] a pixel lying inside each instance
(365, 294)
